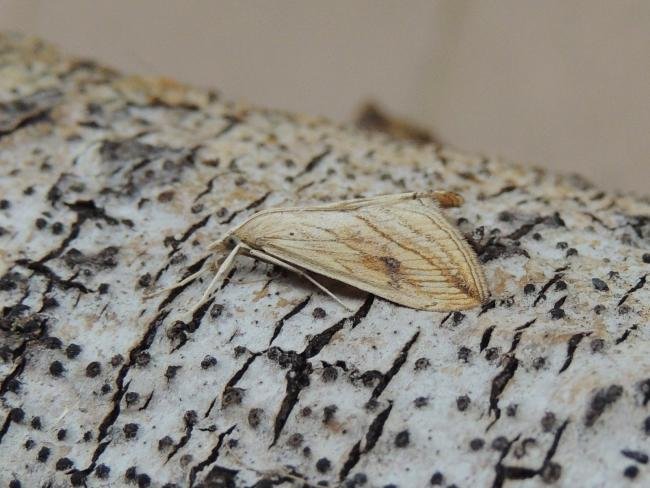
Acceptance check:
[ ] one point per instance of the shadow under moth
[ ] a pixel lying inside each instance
(399, 247)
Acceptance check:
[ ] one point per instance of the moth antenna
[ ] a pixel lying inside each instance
(183, 282)
(274, 260)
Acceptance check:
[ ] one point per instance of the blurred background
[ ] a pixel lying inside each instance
(563, 84)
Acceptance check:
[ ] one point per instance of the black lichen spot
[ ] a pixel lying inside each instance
(29, 444)
(5, 204)
(56, 368)
(464, 353)
(102, 471)
(597, 345)
(52, 343)
(402, 439)
(638, 456)
(131, 430)
(500, 444)
(166, 196)
(106, 388)
(145, 280)
(61, 434)
(132, 398)
(143, 480)
(557, 313)
(631, 472)
(422, 363)
(43, 454)
(476, 444)
(103, 288)
(329, 374)
(88, 436)
(295, 440)
(78, 478)
(561, 245)
(48, 303)
(511, 410)
(232, 396)
(131, 474)
(529, 288)
(165, 443)
(548, 421)
(420, 402)
(646, 258)
(599, 284)
(93, 369)
(57, 228)
(15, 484)
(539, 362)
(359, 479)
(36, 423)
(492, 353)
(142, 358)
(437, 479)
(462, 402)
(17, 415)
(208, 362)
(64, 464)
(598, 309)
(323, 465)
(561, 285)
(506, 216)
(572, 251)
(319, 313)
(170, 372)
(457, 318)
(551, 472)
(601, 400)
(41, 223)
(216, 310)
(72, 351)
(328, 413)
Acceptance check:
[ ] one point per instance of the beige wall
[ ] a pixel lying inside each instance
(561, 83)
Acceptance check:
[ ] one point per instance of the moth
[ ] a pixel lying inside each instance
(399, 247)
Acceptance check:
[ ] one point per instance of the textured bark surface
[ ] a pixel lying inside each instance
(112, 186)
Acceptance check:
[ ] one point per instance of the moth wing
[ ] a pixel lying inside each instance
(404, 251)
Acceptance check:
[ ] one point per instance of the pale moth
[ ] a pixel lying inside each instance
(398, 247)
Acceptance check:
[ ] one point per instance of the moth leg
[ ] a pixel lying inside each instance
(446, 199)
(220, 241)
(273, 260)
(223, 269)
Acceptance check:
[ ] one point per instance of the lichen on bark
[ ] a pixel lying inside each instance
(113, 186)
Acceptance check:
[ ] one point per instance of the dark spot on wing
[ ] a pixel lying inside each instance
(392, 264)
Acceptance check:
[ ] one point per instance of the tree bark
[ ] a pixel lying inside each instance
(112, 187)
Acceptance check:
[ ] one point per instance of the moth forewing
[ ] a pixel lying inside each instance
(399, 247)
